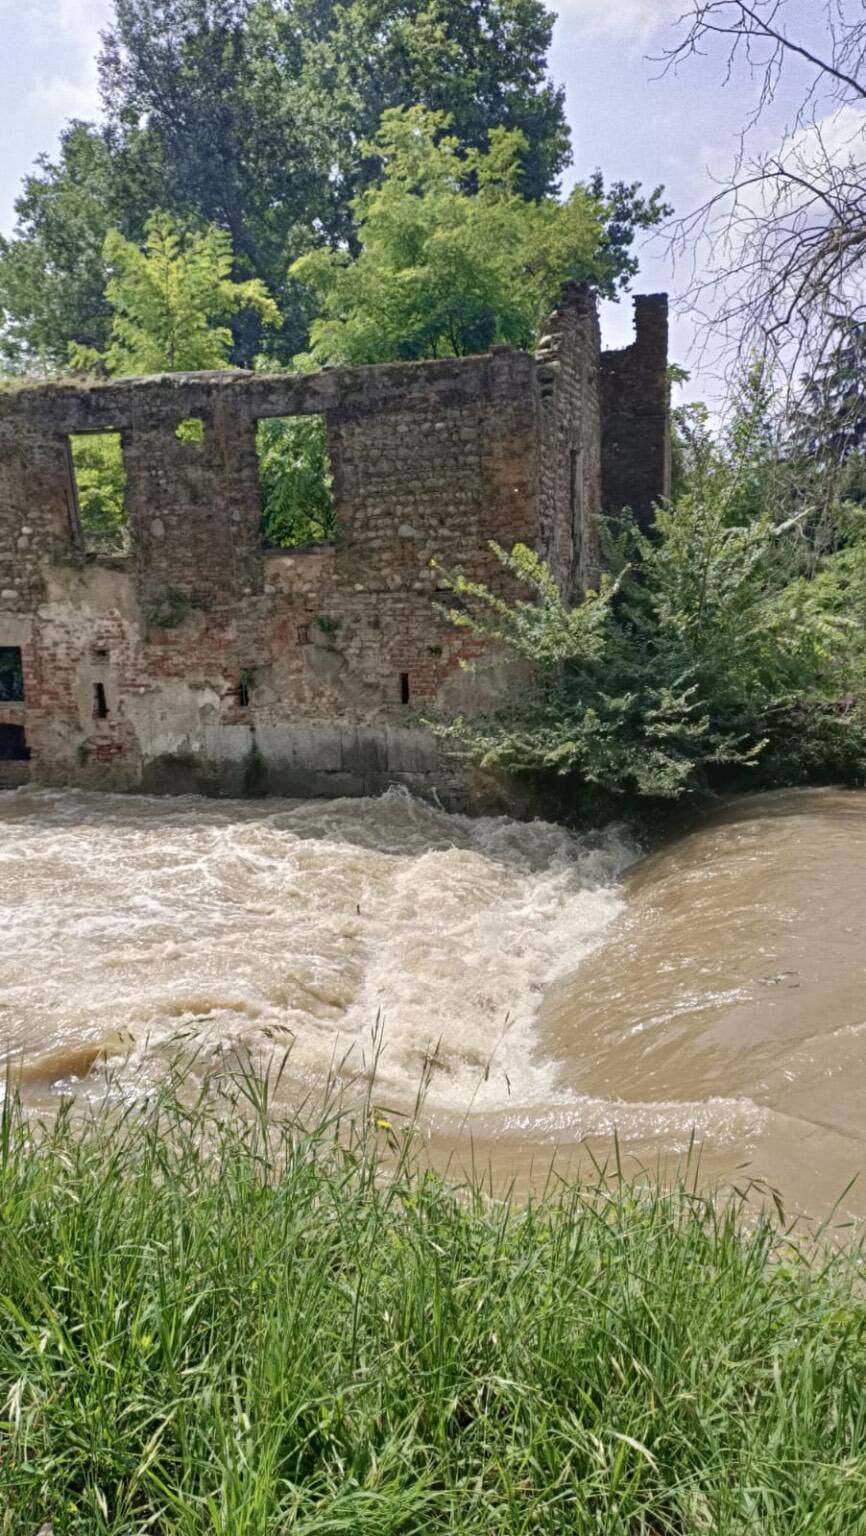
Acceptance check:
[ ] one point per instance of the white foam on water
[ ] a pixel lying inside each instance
(246, 925)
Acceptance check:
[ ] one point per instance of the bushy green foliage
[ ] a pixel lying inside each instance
(252, 115)
(452, 257)
(190, 431)
(703, 659)
(100, 482)
(166, 297)
(214, 1324)
(295, 479)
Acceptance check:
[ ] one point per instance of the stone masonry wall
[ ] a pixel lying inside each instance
(570, 462)
(636, 450)
(302, 671)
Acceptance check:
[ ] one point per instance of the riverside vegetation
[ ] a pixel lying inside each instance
(214, 1322)
(725, 648)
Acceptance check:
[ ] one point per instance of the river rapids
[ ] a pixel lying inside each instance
(557, 991)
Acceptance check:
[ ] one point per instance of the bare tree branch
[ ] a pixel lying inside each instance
(779, 250)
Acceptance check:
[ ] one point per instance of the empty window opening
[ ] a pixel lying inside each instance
(11, 674)
(295, 481)
(404, 687)
(244, 693)
(13, 744)
(100, 703)
(98, 481)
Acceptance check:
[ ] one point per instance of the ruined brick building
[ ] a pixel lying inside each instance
(200, 660)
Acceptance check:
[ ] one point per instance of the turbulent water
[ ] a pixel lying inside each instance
(557, 988)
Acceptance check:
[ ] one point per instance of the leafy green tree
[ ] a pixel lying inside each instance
(256, 116)
(52, 270)
(168, 299)
(238, 151)
(483, 62)
(452, 257)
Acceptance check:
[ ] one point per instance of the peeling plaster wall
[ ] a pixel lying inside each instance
(430, 461)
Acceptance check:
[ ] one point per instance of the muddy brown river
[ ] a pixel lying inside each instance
(565, 990)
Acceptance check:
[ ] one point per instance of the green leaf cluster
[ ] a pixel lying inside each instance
(100, 482)
(166, 298)
(452, 257)
(296, 482)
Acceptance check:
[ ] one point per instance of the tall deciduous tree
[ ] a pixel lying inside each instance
(452, 258)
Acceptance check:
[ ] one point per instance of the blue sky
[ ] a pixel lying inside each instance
(626, 118)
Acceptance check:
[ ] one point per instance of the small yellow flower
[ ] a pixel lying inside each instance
(384, 1125)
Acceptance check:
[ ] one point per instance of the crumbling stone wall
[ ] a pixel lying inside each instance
(636, 450)
(570, 422)
(201, 661)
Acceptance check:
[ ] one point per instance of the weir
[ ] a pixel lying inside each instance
(189, 657)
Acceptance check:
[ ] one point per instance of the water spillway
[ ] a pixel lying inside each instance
(557, 989)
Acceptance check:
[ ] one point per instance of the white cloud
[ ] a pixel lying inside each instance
(77, 20)
(57, 97)
(65, 33)
(633, 19)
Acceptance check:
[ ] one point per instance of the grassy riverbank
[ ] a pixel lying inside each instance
(210, 1327)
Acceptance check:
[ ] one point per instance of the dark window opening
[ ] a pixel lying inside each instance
(13, 744)
(11, 674)
(244, 693)
(576, 501)
(404, 687)
(295, 481)
(98, 492)
(100, 703)
(100, 654)
(303, 634)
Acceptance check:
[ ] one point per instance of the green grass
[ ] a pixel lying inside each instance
(212, 1324)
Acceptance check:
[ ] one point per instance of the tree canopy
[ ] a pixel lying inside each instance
(255, 116)
(452, 257)
(52, 271)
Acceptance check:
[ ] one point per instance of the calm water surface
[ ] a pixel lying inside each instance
(567, 990)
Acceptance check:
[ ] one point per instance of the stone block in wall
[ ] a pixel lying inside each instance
(364, 749)
(410, 750)
(315, 745)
